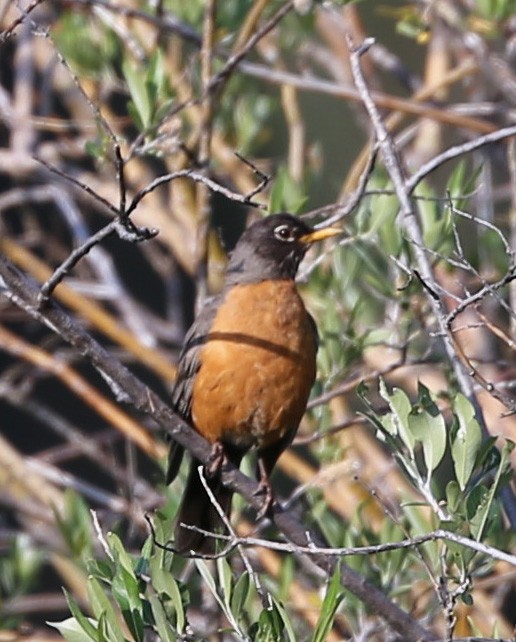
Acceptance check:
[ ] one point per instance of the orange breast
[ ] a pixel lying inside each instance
(257, 366)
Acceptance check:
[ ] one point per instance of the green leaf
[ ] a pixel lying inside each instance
(397, 423)
(135, 116)
(455, 186)
(103, 629)
(101, 569)
(436, 221)
(240, 594)
(159, 554)
(103, 609)
(250, 112)
(466, 438)
(72, 631)
(362, 392)
(475, 500)
(373, 269)
(383, 212)
(95, 148)
(134, 621)
(453, 496)
(141, 566)
(488, 456)
(120, 554)
(428, 427)
(84, 622)
(210, 582)
(263, 630)
(288, 570)
(162, 110)
(25, 562)
(165, 584)
(155, 77)
(207, 576)
(287, 624)
(165, 631)
(487, 510)
(286, 195)
(332, 599)
(272, 624)
(461, 183)
(126, 593)
(74, 522)
(138, 91)
(225, 579)
(125, 587)
(84, 44)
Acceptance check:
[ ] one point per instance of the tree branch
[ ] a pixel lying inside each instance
(130, 389)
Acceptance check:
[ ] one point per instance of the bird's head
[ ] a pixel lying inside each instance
(273, 248)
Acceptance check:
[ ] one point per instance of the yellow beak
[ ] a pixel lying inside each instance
(320, 235)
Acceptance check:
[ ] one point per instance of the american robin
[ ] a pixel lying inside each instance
(246, 369)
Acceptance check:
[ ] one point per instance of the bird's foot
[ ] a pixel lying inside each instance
(216, 460)
(264, 489)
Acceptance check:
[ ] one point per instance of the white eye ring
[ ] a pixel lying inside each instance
(284, 233)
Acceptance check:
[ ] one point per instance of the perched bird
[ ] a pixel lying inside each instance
(246, 369)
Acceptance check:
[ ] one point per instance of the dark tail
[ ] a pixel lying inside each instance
(198, 510)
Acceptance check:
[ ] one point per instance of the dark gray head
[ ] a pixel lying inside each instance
(272, 248)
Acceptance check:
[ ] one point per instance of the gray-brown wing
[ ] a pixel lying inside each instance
(314, 330)
(187, 367)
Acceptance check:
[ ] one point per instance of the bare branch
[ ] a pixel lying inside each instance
(237, 58)
(7, 33)
(345, 551)
(488, 289)
(455, 152)
(199, 178)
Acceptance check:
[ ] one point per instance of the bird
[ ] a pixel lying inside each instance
(245, 371)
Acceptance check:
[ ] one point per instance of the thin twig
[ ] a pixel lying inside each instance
(511, 158)
(265, 179)
(164, 23)
(355, 198)
(488, 289)
(7, 33)
(447, 115)
(237, 58)
(58, 275)
(126, 231)
(75, 79)
(202, 192)
(510, 343)
(100, 535)
(195, 176)
(455, 152)
(346, 551)
(483, 223)
(122, 225)
(82, 186)
(264, 596)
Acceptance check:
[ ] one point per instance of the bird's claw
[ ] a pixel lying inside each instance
(216, 460)
(264, 489)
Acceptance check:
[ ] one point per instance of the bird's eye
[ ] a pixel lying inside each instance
(284, 233)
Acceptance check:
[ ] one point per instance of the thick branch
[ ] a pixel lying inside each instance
(129, 388)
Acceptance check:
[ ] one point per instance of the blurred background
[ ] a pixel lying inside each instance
(254, 100)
